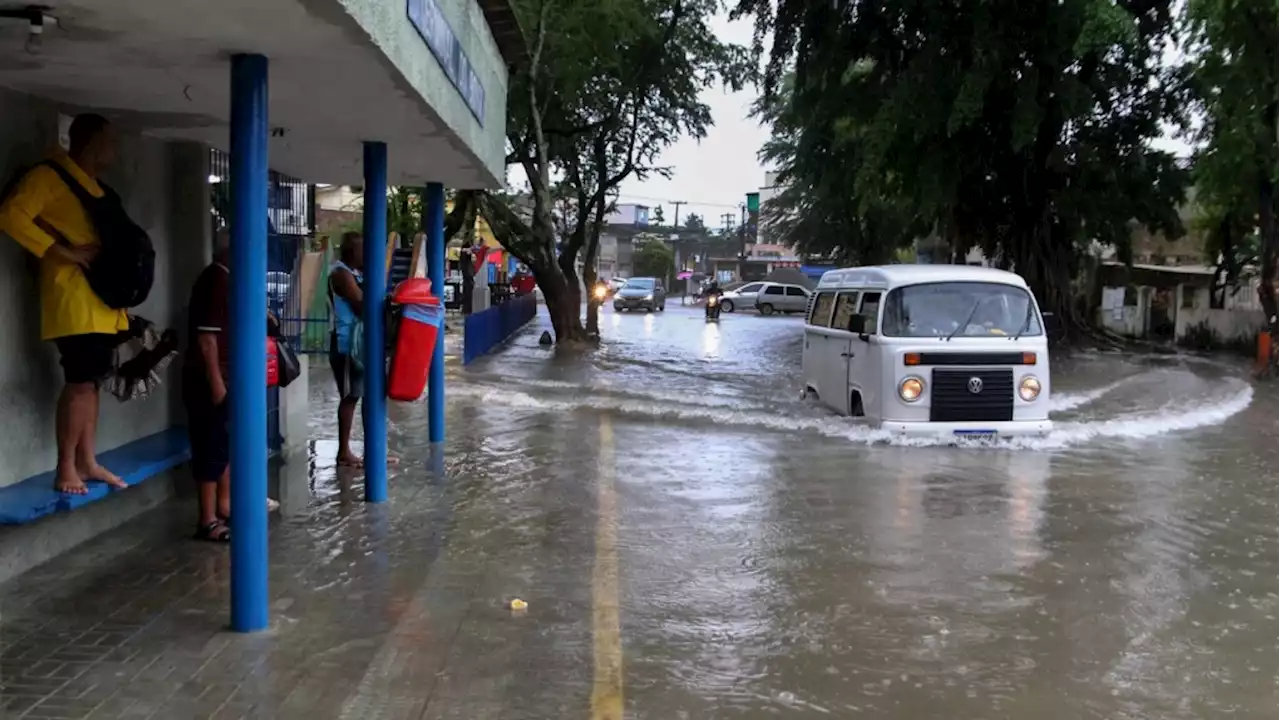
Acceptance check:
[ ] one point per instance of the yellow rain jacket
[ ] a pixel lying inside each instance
(67, 304)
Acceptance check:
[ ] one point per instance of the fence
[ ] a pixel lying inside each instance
(485, 330)
(290, 219)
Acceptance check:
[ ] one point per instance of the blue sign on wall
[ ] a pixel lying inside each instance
(427, 18)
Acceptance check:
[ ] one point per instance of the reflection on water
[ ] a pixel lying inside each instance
(773, 560)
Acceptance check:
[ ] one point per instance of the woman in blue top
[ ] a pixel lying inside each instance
(346, 301)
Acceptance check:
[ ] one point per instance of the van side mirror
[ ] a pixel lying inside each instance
(858, 324)
(1050, 322)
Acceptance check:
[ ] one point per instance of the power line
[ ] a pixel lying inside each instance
(690, 203)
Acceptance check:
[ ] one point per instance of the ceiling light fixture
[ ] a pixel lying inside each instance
(37, 17)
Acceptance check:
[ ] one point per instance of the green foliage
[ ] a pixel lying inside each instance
(654, 258)
(1021, 128)
(608, 86)
(1232, 87)
(693, 222)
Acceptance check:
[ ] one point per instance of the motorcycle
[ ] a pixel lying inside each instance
(600, 292)
(713, 308)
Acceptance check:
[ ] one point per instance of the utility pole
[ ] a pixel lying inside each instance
(726, 221)
(678, 223)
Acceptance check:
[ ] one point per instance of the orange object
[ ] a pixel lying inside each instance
(1028, 358)
(911, 359)
(420, 323)
(273, 363)
(1264, 350)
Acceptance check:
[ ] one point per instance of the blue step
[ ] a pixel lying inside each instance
(34, 498)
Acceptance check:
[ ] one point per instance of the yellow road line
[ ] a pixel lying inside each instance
(606, 630)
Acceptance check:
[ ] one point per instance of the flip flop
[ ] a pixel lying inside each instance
(272, 506)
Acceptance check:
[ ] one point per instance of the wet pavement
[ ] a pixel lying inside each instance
(694, 541)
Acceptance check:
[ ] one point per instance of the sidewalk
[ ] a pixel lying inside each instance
(397, 610)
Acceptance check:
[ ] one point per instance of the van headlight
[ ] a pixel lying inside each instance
(911, 388)
(1029, 387)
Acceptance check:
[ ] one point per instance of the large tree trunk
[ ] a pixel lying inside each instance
(1267, 253)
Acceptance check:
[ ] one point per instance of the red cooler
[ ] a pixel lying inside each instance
(421, 320)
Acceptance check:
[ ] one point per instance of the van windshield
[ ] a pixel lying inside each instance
(968, 309)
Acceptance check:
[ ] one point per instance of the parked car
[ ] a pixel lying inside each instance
(642, 293)
(777, 297)
(743, 297)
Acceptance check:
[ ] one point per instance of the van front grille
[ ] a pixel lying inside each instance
(952, 398)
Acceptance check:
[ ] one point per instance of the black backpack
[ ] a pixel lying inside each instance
(124, 269)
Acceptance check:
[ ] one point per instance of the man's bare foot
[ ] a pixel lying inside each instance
(350, 460)
(94, 471)
(68, 481)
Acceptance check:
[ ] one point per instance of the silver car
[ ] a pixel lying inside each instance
(743, 297)
(642, 293)
(776, 297)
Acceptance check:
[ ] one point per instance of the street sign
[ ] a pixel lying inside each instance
(753, 202)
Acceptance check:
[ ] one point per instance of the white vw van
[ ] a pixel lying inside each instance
(929, 350)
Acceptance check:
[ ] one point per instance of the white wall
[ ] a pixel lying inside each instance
(1127, 320)
(1241, 316)
(30, 376)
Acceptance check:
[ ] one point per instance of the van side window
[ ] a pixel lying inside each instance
(845, 306)
(773, 290)
(820, 313)
(793, 290)
(870, 309)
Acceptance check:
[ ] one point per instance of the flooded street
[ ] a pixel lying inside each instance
(695, 541)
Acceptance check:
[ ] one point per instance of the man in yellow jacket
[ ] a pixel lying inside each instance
(47, 219)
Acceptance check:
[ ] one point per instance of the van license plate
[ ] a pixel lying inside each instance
(979, 433)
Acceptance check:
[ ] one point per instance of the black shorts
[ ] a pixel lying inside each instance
(207, 430)
(87, 358)
(346, 371)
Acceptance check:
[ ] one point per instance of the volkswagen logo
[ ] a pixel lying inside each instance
(975, 385)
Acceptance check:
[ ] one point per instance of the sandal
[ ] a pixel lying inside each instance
(272, 506)
(215, 532)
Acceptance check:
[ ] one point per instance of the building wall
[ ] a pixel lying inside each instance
(159, 200)
(1239, 319)
(388, 25)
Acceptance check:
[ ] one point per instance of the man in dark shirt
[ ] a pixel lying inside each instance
(204, 392)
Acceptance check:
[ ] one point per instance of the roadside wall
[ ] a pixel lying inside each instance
(157, 182)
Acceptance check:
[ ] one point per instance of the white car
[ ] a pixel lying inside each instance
(743, 297)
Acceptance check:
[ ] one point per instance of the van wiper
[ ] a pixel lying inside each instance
(973, 311)
(1026, 322)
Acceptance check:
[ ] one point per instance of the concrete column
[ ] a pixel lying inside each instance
(433, 226)
(375, 300)
(248, 298)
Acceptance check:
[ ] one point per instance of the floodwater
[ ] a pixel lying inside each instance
(695, 541)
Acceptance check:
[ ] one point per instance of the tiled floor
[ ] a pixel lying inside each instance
(376, 610)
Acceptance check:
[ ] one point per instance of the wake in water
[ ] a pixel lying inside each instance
(1233, 397)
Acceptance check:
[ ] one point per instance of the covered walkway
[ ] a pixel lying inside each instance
(411, 92)
(390, 610)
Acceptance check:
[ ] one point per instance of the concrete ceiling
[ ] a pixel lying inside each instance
(161, 67)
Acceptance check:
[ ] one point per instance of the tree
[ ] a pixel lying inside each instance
(654, 258)
(607, 87)
(1232, 79)
(1020, 128)
(657, 216)
(693, 223)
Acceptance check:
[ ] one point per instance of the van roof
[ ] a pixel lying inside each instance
(889, 276)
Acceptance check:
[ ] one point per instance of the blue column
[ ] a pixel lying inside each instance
(375, 300)
(248, 300)
(433, 226)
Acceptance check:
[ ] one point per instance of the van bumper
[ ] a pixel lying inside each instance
(1015, 428)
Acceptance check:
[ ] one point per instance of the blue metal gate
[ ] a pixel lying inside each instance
(291, 218)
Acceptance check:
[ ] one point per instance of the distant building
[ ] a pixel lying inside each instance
(629, 214)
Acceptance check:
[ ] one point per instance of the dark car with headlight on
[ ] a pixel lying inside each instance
(641, 293)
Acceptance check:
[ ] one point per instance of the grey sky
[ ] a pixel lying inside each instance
(711, 177)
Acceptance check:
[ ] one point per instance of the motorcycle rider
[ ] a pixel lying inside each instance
(713, 294)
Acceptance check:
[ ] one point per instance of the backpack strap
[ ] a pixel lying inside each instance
(74, 185)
